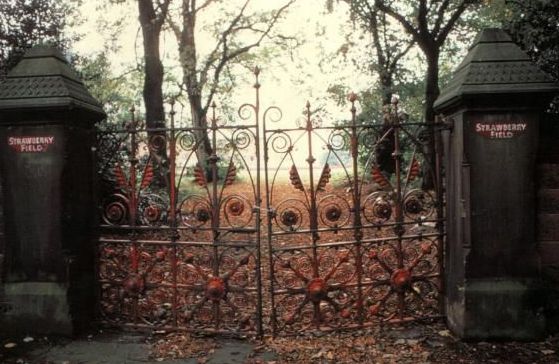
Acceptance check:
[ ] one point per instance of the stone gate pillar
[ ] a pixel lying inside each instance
(46, 167)
(494, 103)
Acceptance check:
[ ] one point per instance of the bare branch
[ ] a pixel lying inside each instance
(163, 7)
(175, 28)
(236, 20)
(228, 56)
(401, 19)
(205, 4)
(422, 17)
(440, 16)
(441, 37)
(399, 56)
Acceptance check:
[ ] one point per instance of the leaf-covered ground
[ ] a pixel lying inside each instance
(411, 343)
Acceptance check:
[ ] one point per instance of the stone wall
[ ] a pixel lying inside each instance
(548, 213)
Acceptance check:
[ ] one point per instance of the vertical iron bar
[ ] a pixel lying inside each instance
(257, 209)
(172, 209)
(313, 211)
(215, 210)
(440, 227)
(133, 206)
(312, 192)
(399, 218)
(357, 223)
(269, 221)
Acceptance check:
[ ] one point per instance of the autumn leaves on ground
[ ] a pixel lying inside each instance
(413, 343)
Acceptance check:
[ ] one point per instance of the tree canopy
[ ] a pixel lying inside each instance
(535, 25)
(24, 23)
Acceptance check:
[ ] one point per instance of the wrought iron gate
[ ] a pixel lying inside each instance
(351, 224)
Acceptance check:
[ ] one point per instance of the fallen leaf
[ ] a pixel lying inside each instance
(10, 345)
(28, 339)
(547, 352)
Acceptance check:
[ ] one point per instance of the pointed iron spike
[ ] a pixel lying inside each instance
(308, 104)
(352, 97)
(214, 105)
(256, 71)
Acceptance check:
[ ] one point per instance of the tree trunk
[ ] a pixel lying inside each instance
(153, 81)
(200, 122)
(153, 69)
(153, 88)
(385, 148)
(432, 91)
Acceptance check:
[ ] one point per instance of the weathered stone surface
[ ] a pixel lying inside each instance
(492, 269)
(547, 175)
(501, 308)
(548, 227)
(549, 252)
(47, 130)
(40, 307)
(548, 201)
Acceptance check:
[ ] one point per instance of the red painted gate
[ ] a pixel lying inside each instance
(274, 229)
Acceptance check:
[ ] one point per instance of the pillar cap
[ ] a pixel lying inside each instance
(494, 65)
(44, 79)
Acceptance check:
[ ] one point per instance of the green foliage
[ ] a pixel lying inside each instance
(24, 23)
(118, 93)
(535, 25)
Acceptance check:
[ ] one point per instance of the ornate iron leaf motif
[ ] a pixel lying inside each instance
(231, 174)
(148, 176)
(324, 178)
(200, 176)
(379, 178)
(121, 179)
(296, 179)
(415, 168)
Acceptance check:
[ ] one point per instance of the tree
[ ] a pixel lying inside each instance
(535, 25)
(24, 23)
(429, 23)
(153, 14)
(115, 92)
(390, 47)
(236, 35)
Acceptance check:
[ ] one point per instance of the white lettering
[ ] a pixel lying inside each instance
(31, 144)
(500, 130)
